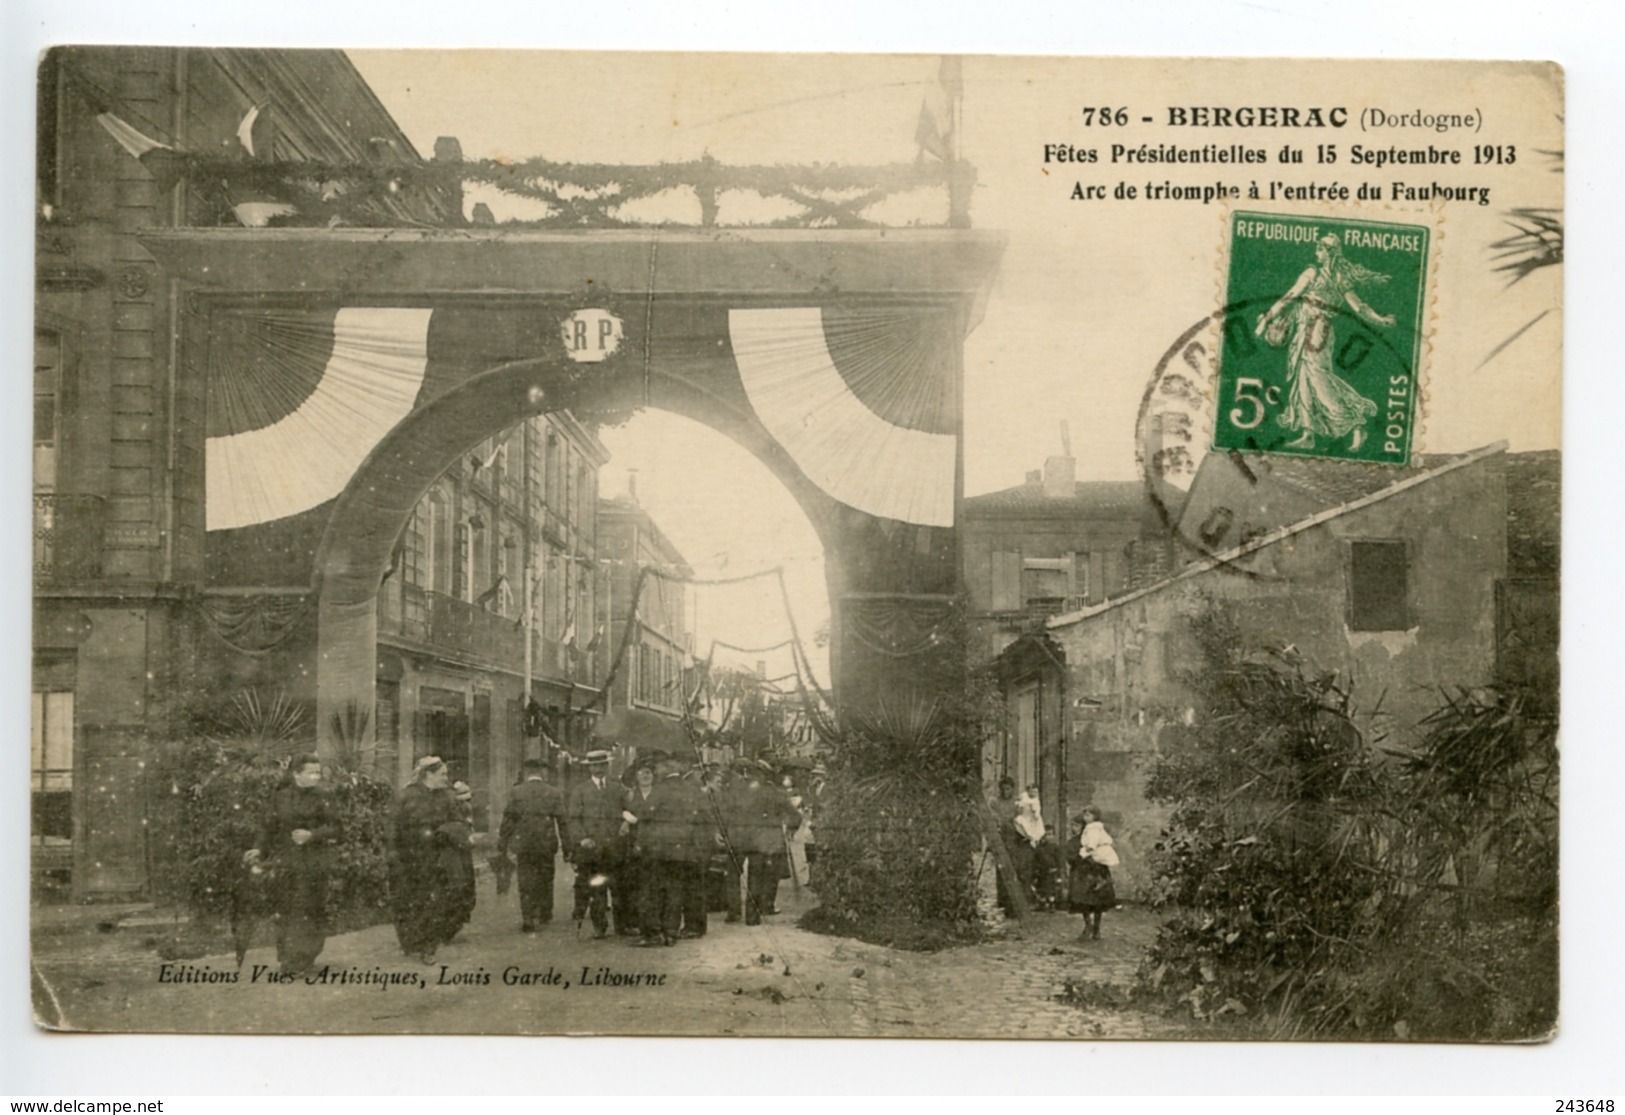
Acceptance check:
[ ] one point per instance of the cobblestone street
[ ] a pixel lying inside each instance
(98, 970)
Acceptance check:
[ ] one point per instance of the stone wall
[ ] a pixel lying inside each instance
(1126, 701)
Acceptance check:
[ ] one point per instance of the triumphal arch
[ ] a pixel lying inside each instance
(832, 354)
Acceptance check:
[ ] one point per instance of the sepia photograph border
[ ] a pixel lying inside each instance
(1581, 1056)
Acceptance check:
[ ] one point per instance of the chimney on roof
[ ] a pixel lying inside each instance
(1035, 476)
(632, 484)
(1060, 478)
(1061, 473)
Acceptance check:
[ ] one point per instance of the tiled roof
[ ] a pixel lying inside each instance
(1399, 481)
(1329, 482)
(1094, 499)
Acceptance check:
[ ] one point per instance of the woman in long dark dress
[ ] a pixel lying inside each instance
(294, 846)
(460, 864)
(430, 836)
(1093, 855)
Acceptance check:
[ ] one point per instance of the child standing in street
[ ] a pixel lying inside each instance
(1093, 856)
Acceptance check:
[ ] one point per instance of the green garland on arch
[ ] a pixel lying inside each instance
(579, 195)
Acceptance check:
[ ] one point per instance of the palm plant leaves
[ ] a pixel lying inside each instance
(1536, 242)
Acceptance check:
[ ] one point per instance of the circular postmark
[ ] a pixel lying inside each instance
(1231, 438)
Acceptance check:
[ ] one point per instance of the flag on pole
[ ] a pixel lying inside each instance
(493, 592)
(928, 135)
(257, 132)
(934, 133)
(163, 162)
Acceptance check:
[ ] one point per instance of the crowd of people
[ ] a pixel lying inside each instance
(1050, 875)
(654, 853)
(679, 841)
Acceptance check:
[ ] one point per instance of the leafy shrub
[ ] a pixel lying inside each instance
(1321, 890)
(1266, 857)
(898, 832)
(1475, 924)
(896, 857)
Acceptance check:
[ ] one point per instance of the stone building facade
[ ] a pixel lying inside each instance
(502, 549)
(1395, 585)
(647, 699)
(158, 618)
(119, 547)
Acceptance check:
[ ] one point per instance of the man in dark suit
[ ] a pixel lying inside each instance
(665, 810)
(761, 812)
(725, 863)
(530, 827)
(593, 842)
(702, 842)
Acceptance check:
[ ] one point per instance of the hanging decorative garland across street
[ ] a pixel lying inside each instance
(898, 626)
(571, 195)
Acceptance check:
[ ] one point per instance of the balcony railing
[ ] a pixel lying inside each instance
(67, 538)
(456, 627)
(1055, 605)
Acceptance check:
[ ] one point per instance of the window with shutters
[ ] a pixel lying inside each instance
(1079, 589)
(509, 474)
(512, 559)
(535, 481)
(551, 470)
(438, 556)
(52, 767)
(1006, 580)
(1379, 593)
(47, 373)
(1045, 583)
(480, 573)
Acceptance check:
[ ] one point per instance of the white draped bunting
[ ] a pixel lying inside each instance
(370, 383)
(845, 448)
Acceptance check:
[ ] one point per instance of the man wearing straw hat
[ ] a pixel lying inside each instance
(592, 839)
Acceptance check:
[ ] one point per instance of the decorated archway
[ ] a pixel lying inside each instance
(834, 357)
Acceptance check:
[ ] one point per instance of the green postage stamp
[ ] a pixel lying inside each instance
(1323, 332)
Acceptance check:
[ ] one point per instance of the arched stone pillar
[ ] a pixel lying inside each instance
(664, 281)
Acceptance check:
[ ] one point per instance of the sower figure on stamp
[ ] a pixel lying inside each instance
(295, 844)
(593, 843)
(1319, 401)
(530, 828)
